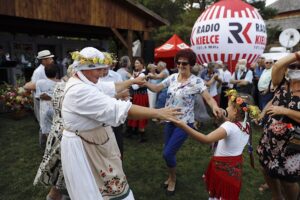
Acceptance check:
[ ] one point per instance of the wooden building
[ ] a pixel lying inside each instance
(288, 15)
(82, 22)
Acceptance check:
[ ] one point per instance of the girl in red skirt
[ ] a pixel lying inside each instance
(224, 172)
(139, 97)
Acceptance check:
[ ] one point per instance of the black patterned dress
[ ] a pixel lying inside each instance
(50, 170)
(272, 148)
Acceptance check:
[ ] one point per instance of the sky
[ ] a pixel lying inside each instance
(268, 2)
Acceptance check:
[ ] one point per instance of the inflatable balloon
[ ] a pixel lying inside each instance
(229, 30)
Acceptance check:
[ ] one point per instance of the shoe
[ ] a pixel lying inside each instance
(169, 192)
(263, 187)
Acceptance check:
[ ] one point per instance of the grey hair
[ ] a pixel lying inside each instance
(242, 62)
(162, 63)
(124, 61)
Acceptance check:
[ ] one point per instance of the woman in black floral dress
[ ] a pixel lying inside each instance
(281, 167)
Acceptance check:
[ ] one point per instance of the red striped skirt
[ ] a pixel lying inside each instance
(141, 100)
(223, 177)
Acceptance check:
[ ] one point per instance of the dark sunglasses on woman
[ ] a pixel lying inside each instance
(294, 66)
(182, 63)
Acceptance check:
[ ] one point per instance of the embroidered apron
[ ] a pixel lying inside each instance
(104, 158)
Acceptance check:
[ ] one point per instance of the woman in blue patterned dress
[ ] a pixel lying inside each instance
(182, 89)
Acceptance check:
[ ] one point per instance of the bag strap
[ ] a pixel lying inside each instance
(62, 99)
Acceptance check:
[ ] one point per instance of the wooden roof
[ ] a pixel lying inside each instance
(283, 6)
(288, 15)
(76, 15)
(284, 23)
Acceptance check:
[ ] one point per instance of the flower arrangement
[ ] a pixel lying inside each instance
(15, 98)
(108, 59)
(233, 95)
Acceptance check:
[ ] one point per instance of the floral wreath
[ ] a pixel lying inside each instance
(108, 59)
(253, 111)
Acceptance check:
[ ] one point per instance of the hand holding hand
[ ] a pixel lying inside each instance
(169, 114)
(124, 95)
(218, 112)
(150, 75)
(45, 97)
(216, 77)
(140, 80)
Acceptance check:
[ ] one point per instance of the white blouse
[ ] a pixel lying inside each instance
(87, 106)
(234, 143)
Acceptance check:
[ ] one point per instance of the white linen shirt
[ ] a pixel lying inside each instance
(112, 76)
(264, 80)
(226, 78)
(38, 74)
(86, 107)
(45, 86)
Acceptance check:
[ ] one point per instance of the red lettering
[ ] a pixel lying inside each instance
(260, 40)
(213, 39)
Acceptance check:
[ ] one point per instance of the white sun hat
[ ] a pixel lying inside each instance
(90, 58)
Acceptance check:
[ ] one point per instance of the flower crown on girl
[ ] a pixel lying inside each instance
(252, 110)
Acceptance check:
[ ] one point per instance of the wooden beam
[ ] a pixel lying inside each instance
(129, 43)
(120, 37)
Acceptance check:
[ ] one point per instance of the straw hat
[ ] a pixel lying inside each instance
(44, 54)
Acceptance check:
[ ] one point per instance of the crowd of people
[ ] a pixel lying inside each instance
(82, 115)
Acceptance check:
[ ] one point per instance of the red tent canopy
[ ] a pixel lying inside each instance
(168, 50)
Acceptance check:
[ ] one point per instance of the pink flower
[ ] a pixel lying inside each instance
(239, 100)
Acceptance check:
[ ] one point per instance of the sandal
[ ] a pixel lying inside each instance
(171, 192)
(263, 187)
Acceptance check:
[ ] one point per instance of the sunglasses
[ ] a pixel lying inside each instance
(294, 66)
(268, 62)
(182, 63)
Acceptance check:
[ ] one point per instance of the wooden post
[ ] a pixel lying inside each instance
(146, 36)
(129, 43)
(120, 37)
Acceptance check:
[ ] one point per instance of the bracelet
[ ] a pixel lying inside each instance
(297, 56)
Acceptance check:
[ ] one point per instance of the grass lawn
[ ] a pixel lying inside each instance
(21, 155)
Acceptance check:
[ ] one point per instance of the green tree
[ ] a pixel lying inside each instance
(265, 12)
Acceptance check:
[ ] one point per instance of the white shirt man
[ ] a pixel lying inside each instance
(242, 77)
(264, 80)
(226, 78)
(45, 58)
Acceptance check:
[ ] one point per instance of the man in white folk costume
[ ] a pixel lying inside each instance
(90, 156)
